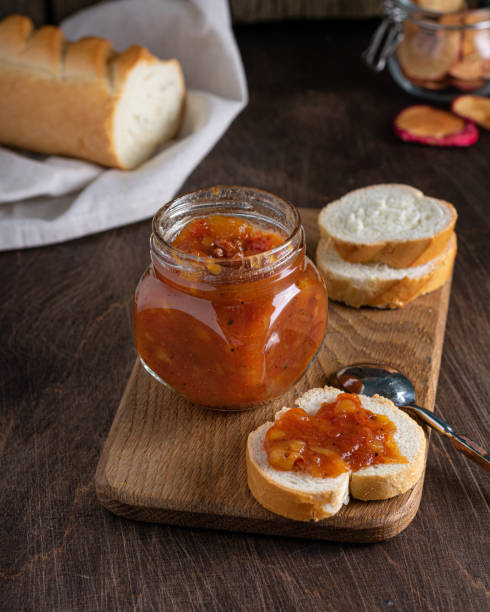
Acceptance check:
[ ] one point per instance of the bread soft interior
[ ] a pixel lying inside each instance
(148, 111)
(385, 212)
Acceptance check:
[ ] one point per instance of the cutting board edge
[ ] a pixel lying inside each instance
(271, 527)
(118, 502)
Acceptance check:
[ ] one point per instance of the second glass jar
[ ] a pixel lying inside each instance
(229, 333)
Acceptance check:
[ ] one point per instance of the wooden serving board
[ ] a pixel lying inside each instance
(168, 461)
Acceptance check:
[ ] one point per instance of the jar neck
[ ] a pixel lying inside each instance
(253, 205)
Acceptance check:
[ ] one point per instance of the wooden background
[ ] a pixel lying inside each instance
(318, 124)
(53, 11)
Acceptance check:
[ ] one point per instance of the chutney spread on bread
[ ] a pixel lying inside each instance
(341, 436)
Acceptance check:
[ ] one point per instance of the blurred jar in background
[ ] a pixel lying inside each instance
(434, 55)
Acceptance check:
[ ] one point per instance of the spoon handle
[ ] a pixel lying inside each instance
(472, 450)
(462, 443)
(432, 419)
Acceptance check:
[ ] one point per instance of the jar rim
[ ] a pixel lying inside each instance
(416, 14)
(215, 191)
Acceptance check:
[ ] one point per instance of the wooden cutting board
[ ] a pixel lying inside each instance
(168, 461)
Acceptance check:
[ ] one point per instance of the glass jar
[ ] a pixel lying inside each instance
(228, 333)
(436, 56)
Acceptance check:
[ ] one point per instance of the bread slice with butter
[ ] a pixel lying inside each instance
(388, 223)
(300, 496)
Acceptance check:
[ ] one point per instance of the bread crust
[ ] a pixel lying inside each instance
(288, 502)
(365, 484)
(387, 293)
(14, 33)
(61, 98)
(395, 253)
(377, 487)
(407, 254)
(89, 58)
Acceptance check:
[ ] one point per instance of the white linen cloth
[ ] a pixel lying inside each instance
(44, 200)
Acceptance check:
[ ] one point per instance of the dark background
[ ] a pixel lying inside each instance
(53, 11)
(318, 124)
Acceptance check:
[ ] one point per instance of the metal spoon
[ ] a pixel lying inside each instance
(369, 379)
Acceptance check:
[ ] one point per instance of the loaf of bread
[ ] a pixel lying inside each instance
(380, 285)
(82, 99)
(392, 224)
(303, 497)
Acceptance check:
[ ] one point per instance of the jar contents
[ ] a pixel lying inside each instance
(452, 56)
(230, 341)
(342, 435)
(225, 236)
(435, 50)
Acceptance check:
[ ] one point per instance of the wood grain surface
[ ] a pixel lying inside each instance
(241, 10)
(318, 124)
(169, 461)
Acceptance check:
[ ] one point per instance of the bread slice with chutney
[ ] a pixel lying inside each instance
(299, 495)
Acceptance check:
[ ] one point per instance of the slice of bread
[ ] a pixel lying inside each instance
(378, 284)
(302, 497)
(392, 224)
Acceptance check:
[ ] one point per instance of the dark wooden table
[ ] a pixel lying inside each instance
(318, 124)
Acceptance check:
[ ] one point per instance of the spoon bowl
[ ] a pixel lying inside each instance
(377, 379)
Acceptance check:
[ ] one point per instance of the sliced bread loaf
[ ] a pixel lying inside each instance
(82, 99)
(378, 284)
(300, 496)
(390, 223)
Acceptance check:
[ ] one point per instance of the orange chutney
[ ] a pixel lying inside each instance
(225, 236)
(220, 326)
(342, 435)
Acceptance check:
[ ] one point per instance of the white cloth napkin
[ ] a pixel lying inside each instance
(44, 200)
